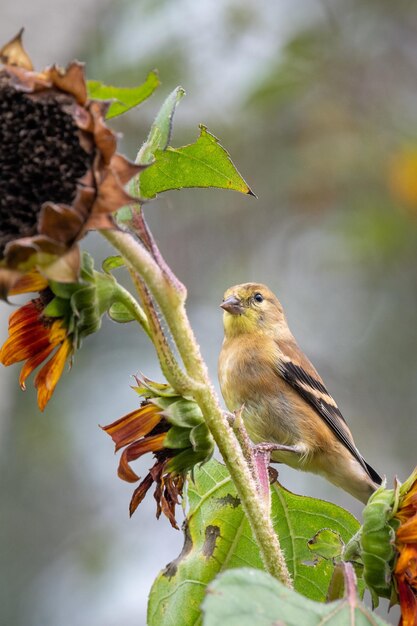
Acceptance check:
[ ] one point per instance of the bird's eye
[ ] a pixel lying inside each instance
(258, 297)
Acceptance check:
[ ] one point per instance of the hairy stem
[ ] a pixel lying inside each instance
(171, 304)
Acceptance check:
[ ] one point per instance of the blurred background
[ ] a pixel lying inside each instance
(316, 102)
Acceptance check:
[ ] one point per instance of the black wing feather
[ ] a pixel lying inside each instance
(299, 379)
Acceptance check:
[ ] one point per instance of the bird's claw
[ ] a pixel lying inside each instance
(267, 448)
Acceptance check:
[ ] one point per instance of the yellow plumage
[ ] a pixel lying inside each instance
(285, 401)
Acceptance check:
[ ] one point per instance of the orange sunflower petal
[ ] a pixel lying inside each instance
(408, 603)
(133, 426)
(28, 283)
(407, 532)
(24, 346)
(25, 314)
(32, 363)
(47, 378)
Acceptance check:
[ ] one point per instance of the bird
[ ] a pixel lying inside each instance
(283, 401)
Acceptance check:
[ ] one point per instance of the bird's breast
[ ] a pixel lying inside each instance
(248, 377)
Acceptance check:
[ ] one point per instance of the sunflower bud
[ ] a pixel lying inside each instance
(174, 430)
(59, 172)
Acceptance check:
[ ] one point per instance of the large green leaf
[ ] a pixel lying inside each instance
(244, 597)
(204, 163)
(124, 98)
(218, 537)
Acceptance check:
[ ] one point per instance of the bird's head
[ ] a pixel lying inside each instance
(251, 308)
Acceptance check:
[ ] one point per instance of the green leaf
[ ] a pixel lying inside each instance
(218, 537)
(244, 597)
(160, 133)
(119, 313)
(112, 263)
(204, 163)
(124, 98)
(327, 543)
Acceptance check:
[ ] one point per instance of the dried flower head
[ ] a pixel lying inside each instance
(60, 174)
(174, 430)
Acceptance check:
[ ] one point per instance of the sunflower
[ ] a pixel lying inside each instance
(60, 175)
(49, 328)
(388, 547)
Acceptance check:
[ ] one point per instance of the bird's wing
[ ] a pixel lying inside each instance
(298, 372)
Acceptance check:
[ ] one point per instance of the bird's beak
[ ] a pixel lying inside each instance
(232, 305)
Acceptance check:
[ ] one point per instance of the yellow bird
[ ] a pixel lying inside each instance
(285, 401)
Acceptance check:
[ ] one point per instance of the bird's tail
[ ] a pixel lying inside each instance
(372, 473)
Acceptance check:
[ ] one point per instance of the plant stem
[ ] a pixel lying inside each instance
(172, 306)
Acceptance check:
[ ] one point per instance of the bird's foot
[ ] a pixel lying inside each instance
(267, 448)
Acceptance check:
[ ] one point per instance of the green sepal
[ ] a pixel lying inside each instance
(87, 267)
(177, 438)
(63, 290)
(186, 460)
(58, 307)
(201, 439)
(377, 543)
(184, 413)
(163, 402)
(120, 314)
(150, 389)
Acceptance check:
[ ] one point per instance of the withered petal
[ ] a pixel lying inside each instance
(60, 222)
(13, 53)
(29, 252)
(66, 268)
(111, 195)
(100, 221)
(29, 283)
(71, 80)
(104, 137)
(124, 168)
(139, 493)
(408, 603)
(8, 279)
(136, 450)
